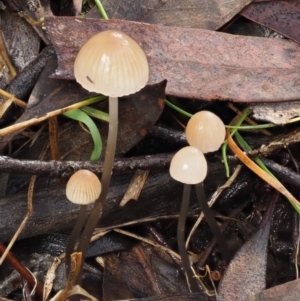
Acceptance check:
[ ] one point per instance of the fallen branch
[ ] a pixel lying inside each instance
(61, 169)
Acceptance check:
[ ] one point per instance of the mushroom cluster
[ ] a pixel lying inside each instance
(205, 132)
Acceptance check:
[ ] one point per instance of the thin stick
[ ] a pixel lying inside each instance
(139, 221)
(297, 251)
(23, 272)
(148, 241)
(6, 58)
(15, 100)
(248, 119)
(25, 124)
(66, 168)
(24, 222)
(53, 138)
(29, 211)
(261, 173)
(212, 201)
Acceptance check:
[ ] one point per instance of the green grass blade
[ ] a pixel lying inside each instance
(87, 120)
(95, 113)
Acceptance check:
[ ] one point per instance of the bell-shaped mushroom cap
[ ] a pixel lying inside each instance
(83, 187)
(206, 131)
(188, 166)
(111, 63)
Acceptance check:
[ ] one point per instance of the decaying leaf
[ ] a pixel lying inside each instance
(288, 291)
(206, 14)
(22, 41)
(280, 16)
(197, 63)
(278, 113)
(245, 275)
(49, 278)
(114, 285)
(76, 290)
(135, 186)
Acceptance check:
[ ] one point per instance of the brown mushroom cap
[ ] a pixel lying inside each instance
(188, 166)
(206, 131)
(83, 187)
(111, 63)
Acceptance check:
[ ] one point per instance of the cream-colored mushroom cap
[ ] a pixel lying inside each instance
(111, 63)
(206, 131)
(83, 187)
(188, 166)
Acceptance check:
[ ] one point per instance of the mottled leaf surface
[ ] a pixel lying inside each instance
(208, 14)
(22, 42)
(246, 273)
(280, 16)
(197, 63)
(278, 113)
(288, 291)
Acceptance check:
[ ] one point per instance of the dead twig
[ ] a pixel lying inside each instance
(212, 201)
(261, 173)
(29, 210)
(60, 169)
(24, 272)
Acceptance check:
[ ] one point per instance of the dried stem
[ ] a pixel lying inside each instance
(23, 272)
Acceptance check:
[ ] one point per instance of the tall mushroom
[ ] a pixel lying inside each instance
(189, 167)
(83, 188)
(206, 131)
(113, 64)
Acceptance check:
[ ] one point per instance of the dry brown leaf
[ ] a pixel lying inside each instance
(208, 14)
(197, 63)
(280, 16)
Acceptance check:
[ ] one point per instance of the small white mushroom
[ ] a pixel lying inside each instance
(83, 187)
(206, 131)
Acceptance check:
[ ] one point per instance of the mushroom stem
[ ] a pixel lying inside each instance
(192, 281)
(70, 248)
(212, 222)
(105, 180)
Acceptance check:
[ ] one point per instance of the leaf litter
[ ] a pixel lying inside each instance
(282, 48)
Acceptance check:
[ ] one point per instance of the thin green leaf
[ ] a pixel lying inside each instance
(101, 9)
(171, 105)
(95, 113)
(84, 118)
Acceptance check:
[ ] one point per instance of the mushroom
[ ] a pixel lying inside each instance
(83, 188)
(189, 167)
(113, 64)
(206, 131)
